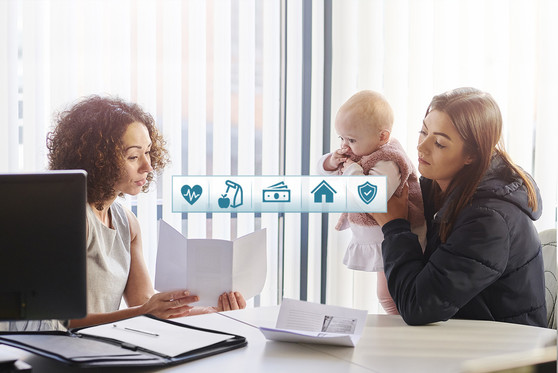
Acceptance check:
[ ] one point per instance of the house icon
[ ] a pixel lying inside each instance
(323, 190)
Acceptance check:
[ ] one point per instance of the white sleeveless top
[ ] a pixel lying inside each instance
(108, 260)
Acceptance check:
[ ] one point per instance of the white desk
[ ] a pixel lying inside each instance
(387, 345)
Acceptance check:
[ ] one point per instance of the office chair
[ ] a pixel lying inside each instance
(548, 242)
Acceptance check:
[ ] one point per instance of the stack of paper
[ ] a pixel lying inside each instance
(306, 322)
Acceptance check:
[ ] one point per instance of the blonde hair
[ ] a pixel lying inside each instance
(371, 108)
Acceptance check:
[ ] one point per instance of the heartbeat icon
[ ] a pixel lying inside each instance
(191, 194)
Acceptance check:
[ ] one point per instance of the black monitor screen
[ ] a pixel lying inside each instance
(42, 245)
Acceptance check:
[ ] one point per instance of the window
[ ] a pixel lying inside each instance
(251, 87)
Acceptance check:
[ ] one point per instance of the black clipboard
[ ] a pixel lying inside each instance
(87, 351)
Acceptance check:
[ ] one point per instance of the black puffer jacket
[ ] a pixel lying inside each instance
(490, 268)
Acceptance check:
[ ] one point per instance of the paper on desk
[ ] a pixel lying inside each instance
(154, 335)
(307, 322)
(210, 267)
(285, 335)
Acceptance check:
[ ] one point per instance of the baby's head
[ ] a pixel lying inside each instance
(364, 123)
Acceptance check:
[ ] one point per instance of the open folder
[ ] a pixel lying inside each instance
(137, 341)
(210, 267)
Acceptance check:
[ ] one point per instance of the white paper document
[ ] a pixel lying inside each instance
(154, 335)
(306, 322)
(210, 267)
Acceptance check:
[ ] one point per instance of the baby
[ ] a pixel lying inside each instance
(364, 125)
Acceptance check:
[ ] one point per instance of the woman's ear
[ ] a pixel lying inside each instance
(469, 159)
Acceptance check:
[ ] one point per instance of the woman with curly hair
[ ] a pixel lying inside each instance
(118, 144)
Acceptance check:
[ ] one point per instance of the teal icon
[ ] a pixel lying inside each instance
(322, 192)
(237, 198)
(278, 192)
(367, 192)
(191, 194)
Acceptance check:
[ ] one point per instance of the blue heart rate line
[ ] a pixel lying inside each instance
(191, 194)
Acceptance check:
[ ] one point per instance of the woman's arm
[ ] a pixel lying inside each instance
(139, 288)
(159, 305)
(474, 256)
(139, 293)
(142, 299)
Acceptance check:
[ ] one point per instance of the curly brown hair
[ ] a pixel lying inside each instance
(88, 136)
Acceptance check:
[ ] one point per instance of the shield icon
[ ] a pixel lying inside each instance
(367, 192)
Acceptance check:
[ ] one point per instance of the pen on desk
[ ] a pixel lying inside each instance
(137, 331)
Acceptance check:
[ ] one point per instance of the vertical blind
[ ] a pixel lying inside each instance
(208, 72)
(251, 87)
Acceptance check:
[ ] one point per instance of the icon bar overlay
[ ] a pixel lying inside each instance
(279, 194)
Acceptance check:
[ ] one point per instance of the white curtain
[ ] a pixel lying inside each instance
(208, 72)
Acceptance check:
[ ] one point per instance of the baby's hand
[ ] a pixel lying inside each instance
(335, 159)
(346, 164)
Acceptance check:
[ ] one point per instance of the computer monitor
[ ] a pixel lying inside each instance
(42, 245)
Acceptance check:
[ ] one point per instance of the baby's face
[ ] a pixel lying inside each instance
(356, 137)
